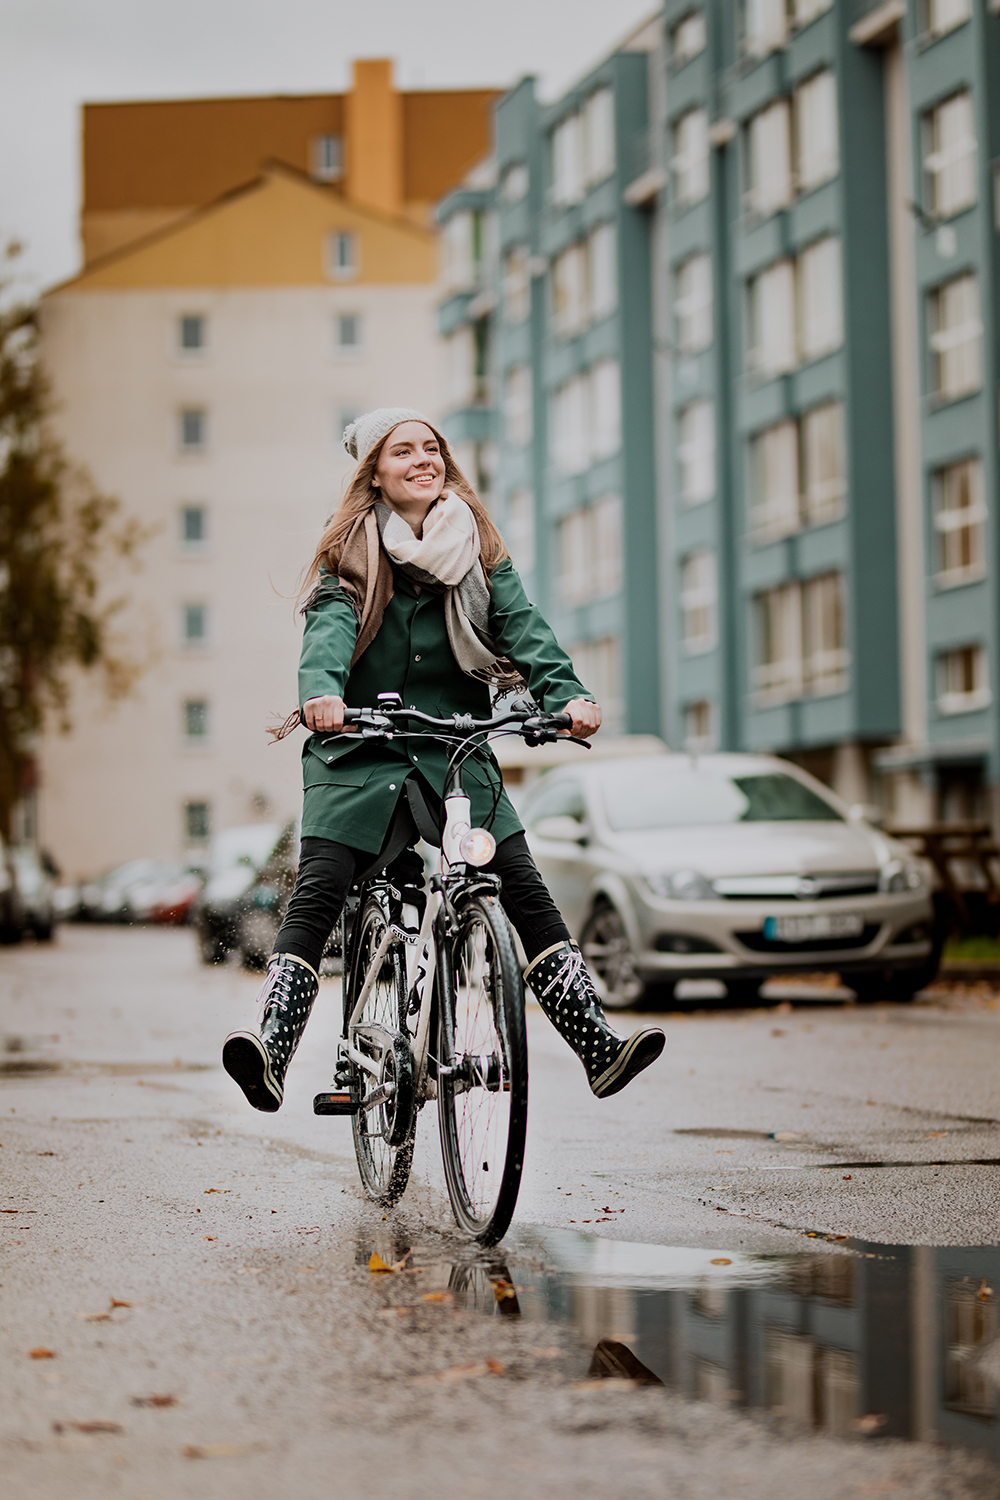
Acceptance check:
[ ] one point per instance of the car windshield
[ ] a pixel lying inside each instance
(652, 797)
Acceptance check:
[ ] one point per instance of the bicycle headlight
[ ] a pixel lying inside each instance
(478, 847)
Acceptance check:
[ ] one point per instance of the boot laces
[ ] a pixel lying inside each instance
(570, 968)
(277, 995)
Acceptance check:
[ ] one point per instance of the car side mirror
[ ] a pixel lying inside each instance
(866, 812)
(560, 829)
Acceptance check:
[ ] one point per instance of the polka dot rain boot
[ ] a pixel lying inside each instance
(258, 1063)
(565, 991)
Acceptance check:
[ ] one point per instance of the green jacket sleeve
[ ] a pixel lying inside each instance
(327, 647)
(528, 640)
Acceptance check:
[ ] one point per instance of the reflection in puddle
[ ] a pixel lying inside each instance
(868, 1339)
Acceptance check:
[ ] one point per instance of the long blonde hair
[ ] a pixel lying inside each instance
(361, 494)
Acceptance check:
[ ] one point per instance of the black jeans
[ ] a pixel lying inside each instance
(326, 870)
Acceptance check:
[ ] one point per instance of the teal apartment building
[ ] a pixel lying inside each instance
(751, 471)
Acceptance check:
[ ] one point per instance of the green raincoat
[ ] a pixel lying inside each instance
(351, 787)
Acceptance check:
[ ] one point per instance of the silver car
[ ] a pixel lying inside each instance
(728, 867)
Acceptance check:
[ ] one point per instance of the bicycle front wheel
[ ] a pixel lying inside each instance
(384, 1132)
(483, 1070)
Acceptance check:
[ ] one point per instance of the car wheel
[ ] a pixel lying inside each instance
(211, 948)
(896, 988)
(257, 932)
(44, 932)
(608, 952)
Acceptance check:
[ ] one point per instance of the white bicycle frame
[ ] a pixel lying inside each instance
(421, 948)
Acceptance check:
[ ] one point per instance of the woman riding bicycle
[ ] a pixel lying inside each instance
(414, 593)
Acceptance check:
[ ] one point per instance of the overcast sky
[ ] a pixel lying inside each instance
(55, 54)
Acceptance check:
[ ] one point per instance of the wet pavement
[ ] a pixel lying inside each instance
(705, 1291)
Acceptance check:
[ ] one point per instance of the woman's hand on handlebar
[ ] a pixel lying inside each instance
(324, 714)
(586, 717)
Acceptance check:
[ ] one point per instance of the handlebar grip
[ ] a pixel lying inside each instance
(352, 715)
(561, 721)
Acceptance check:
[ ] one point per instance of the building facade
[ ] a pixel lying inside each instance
(230, 319)
(751, 473)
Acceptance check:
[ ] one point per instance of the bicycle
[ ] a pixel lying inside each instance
(433, 996)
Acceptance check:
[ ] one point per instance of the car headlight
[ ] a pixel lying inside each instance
(681, 885)
(900, 876)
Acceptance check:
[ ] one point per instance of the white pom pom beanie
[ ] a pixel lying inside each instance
(365, 433)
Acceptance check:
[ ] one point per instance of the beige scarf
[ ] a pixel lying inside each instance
(445, 557)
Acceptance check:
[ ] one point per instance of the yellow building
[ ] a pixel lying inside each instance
(256, 272)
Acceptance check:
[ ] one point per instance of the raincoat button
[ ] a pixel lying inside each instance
(416, 658)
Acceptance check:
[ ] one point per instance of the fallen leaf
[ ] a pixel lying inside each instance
(120, 1302)
(721, 1260)
(495, 1367)
(211, 1450)
(97, 1426)
(101, 1317)
(213, 1190)
(210, 1237)
(846, 1177)
(786, 1135)
(376, 1263)
(784, 1009)
(871, 1422)
(985, 1292)
(776, 1031)
(155, 1400)
(41, 1353)
(607, 1210)
(438, 1297)
(502, 1288)
(936, 1135)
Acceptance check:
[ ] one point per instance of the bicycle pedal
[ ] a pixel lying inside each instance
(335, 1102)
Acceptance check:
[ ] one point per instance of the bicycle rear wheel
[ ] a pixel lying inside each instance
(483, 1072)
(384, 1133)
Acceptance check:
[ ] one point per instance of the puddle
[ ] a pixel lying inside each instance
(862, 1340)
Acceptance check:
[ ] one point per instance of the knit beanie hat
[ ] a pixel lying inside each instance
(364, 433)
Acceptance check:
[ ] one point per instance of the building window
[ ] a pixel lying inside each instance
(698, 599)
(769, 159)
(800, 640)
(817, 140)
(805, 11)
(590, 552)
(348, 329)
(517, 405)
(690, 161)
(516, 285)
(765, 26)
(466, 364)
(519, 532)
(193, 526)
(192, 425)
(970, 1327)
(959, 523)
(567, 161)
(462, 246)
(195, 719)
(327, 158)
(950, 156)
(597, 664)
(599, 136)
(602, 272)
(696, 452)
(687, 38)
(343, 254)
(586, 418)
(955, 337)
(192, 333)
(194, 624)
(197, 822)
(821, 317)
(962, 683)
(945, 15)
(772, 320)
(515, 183)
(775, 505)
(693, 305)
(698, 734)
(824, 472)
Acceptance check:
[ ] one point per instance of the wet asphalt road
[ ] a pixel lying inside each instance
(239, 1242)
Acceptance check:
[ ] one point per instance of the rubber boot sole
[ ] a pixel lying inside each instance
(245, 1059)
(638, 1052)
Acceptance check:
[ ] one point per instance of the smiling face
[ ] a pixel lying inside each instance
(410, 470)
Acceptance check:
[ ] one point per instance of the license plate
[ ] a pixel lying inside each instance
(840, 924)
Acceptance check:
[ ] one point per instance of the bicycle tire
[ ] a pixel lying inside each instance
(384, 1167)
(483, 1073)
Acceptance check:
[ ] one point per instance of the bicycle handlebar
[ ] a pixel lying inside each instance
(536, 727)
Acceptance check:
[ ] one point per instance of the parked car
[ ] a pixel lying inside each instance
(173, 897)
(36, 876)
(236, 857)
(130, 892)
(728, 867)
(12, 912)
(262, 905)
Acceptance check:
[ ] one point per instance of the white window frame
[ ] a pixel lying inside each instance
(327, 158)
(569, 290)
(567, 157)
(696, 476)
(780, 678)
(951, 519)
(963, 701)
(824, 661)
(598, 126)
(197, 449)
(774, 453)
(950, 169)
(772, 341)
(955, 349)
(343, 254)
(823, 500)
(945, 15)
(348, 350)
(819, 298)
(698, 596)
(765, 26)
(195, 642)
(516, 284)
(191, 354)
(688, 38)
(703, 742)
(693, 304)
(602, 271)
(770, 183)
(519, 532)
(518, 397)
(193, 546)
(194, 739)
(690, 163)
(815, 116)
(806, 11)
